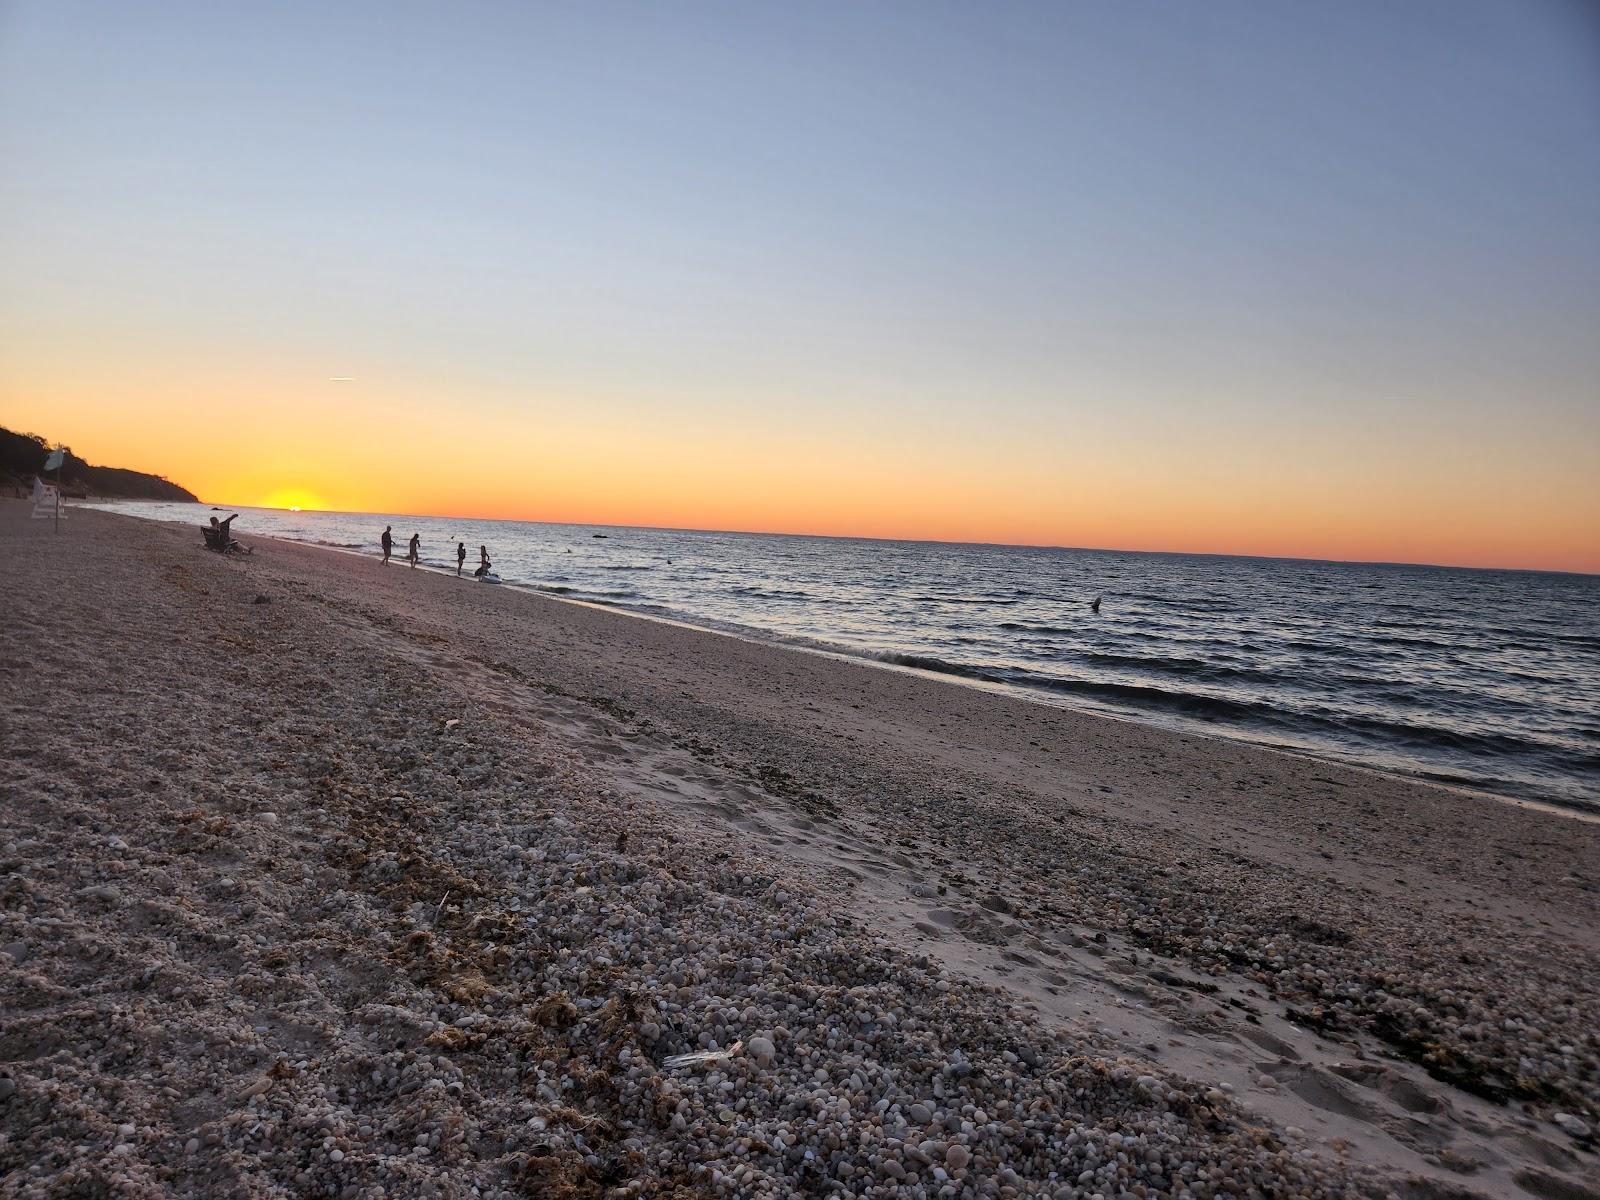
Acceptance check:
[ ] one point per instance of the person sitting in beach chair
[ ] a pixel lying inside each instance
(219, 537)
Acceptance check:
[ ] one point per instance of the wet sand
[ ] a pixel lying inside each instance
(1300, 976)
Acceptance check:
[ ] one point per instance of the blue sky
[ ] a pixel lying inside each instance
(998, 229)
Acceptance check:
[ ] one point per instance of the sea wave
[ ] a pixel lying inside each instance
(1201, 705)
(1192, 667)
(1052, 630)
(997, 601)
(1204, 604)
(1187, 702)
(1210, 706)
(923, 662)
(753, 592)
(1583, 641)
(1437, 737)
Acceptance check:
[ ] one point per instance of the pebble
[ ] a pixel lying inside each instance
(1575, 1126)
(762, 1050)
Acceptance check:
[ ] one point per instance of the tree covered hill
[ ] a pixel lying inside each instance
(22, 457)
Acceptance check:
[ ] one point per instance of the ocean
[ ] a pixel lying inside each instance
(1484, 679)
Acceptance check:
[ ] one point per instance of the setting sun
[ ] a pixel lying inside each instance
(293, 499)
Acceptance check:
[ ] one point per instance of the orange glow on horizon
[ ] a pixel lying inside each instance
(398, 447)
(709, 481)
(295, 499)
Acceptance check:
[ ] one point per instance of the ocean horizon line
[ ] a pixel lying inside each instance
(862, 537)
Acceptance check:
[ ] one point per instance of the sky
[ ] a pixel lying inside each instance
(1305, 279)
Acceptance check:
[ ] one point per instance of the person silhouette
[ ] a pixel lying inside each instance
(388, 543)
(413, 549)
(484, 565)
(1096, 604)
(221, 537)
(461, 556)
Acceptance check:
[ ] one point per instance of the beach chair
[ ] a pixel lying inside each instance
(220, 541)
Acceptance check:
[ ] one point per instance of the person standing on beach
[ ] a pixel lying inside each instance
(413, 549)
(388, 544)
(484, 565)
(461, 556)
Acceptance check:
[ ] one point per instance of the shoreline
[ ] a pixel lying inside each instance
(1201, 936)
(1030, 696)
(1175, 723)
(759, 637)
(208, 506)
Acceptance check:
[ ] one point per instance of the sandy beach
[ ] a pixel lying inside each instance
(324, 878)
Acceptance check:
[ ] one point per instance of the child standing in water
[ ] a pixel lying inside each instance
(414, 549)
(461, 556)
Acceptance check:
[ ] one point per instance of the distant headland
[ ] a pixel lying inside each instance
(22, 457)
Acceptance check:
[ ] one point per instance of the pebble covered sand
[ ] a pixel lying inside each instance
(287, 911)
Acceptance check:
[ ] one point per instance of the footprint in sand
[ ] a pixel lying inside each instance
(1546, 1152)
(1267, 1042)
(1321, 1089)
(1551, 1187)
(1405, 1092)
